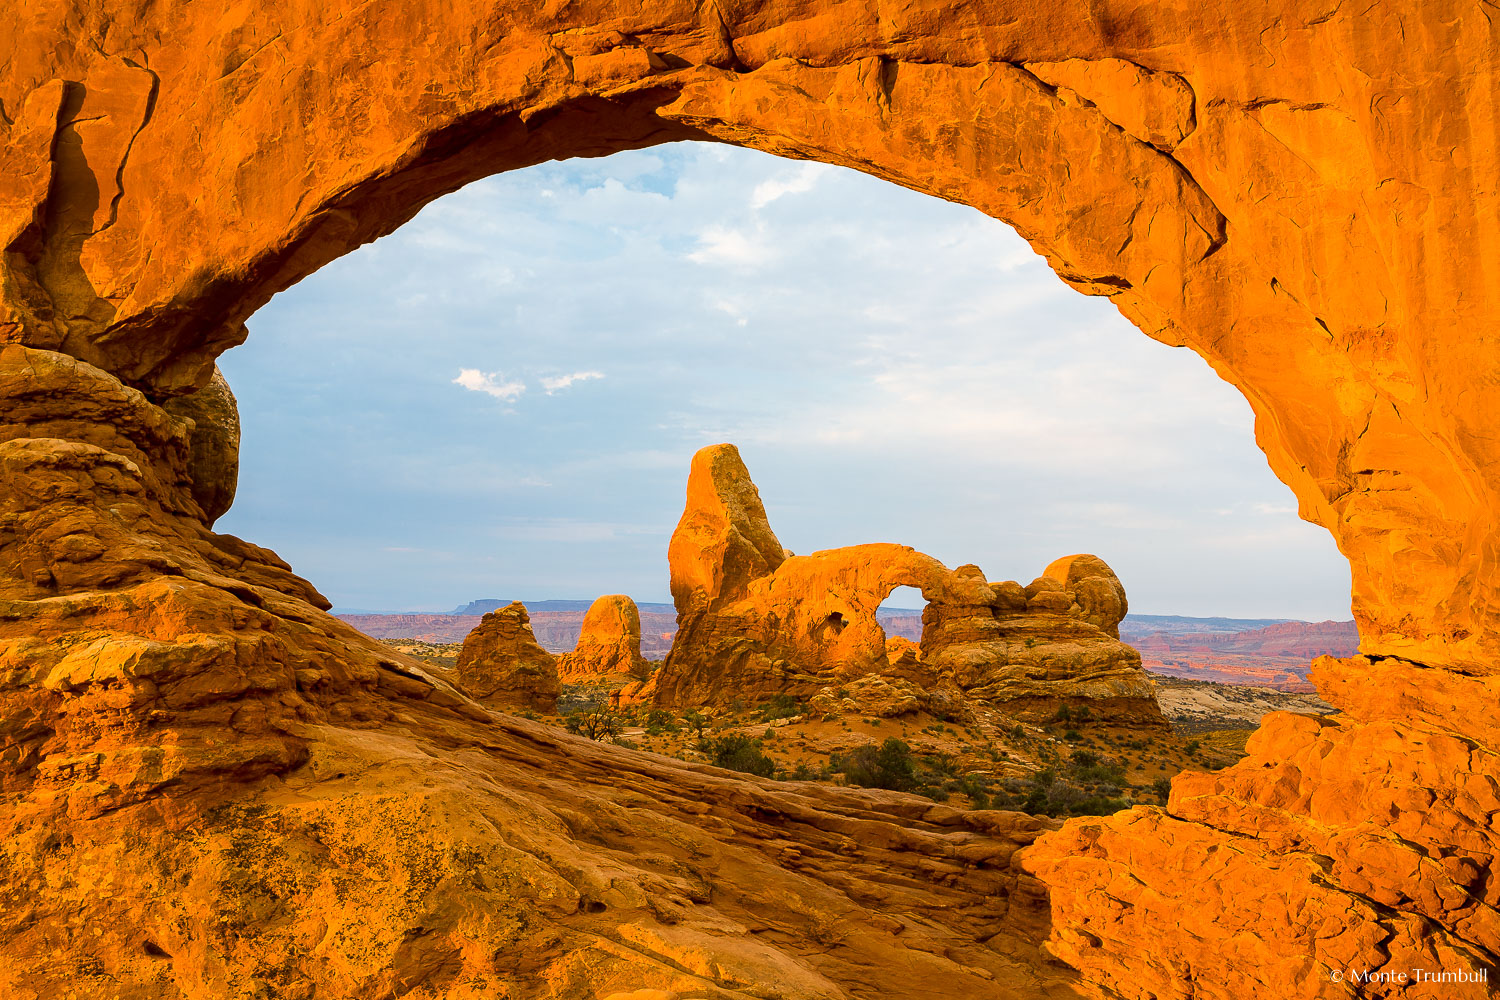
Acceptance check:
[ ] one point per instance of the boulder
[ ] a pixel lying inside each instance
(213, 444)
(872, 695)
(1094, 586)
(502, 666)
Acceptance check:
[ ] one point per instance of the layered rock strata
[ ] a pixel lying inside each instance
(1302, 193)
(502, 666)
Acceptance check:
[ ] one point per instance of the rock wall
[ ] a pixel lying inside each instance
(502, 666)
(1304, 193)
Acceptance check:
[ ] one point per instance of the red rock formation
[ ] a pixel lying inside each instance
(723, 540)
(610, 642)
(502, 666)
(754, 628)
(1302, 193)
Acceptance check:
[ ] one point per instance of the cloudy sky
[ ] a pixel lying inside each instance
(501, 399)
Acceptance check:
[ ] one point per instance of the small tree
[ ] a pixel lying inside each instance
(660, 721)
(1163, 789)
(696, 721)
(598, 723)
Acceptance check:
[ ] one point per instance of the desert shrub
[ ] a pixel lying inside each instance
(661, 721)
(975, 786)
(739, 753)
(1192, 747)
(782, 706)
(1099, 774)
(805, 772)
(1054, 795)
(1072, 736)
(1018, 732)
(1063, 714)
(1163, 788)
(890, 765)
(1082, 714)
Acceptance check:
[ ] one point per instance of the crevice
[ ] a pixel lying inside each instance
(150, 109)
(886, 80)
(236, 67)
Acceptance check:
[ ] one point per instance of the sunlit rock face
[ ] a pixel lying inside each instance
(609, 642)
(501, 665)
(1304, 194)
(755, 622)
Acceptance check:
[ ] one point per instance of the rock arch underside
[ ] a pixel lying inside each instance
(213, 788)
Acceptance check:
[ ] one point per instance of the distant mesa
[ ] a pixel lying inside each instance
(502, 666)
(490, 604)
(1277, 655)
(755, 621)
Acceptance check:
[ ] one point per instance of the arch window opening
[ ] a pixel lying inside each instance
(500, 401)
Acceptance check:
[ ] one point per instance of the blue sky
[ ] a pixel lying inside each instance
(501, 399)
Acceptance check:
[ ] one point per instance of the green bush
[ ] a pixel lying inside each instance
(696, 721)
(782, 706)
(739, 753)
(888, 766)
(661, 721)
(1163, 788)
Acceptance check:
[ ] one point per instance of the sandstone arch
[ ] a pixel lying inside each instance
(1301, 192)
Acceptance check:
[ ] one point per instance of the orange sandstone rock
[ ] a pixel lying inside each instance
(723, 540)
(502, 665)
(1304, 194)
(609, 642)
(808, 622)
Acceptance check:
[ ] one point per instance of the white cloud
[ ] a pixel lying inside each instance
(556, 383)
(722, 245)
(490, 382)
(732, 309)
(798, 181)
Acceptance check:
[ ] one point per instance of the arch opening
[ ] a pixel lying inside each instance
(631, 208)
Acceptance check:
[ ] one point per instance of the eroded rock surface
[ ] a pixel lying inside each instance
(1302, 193)
(800, 624)
(502, 666)
(608, 644)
